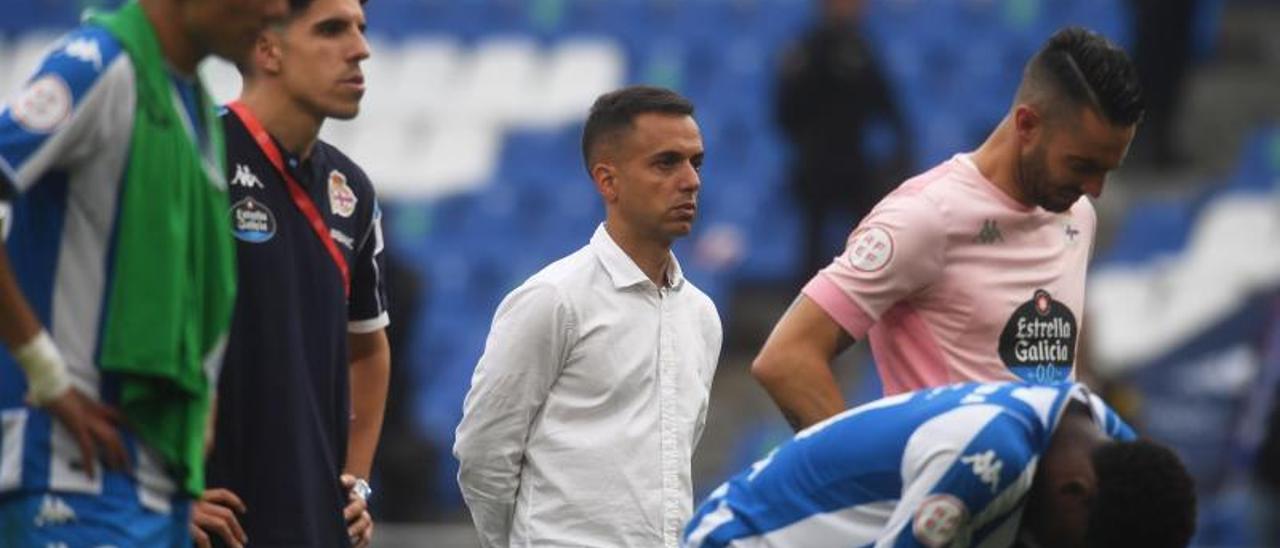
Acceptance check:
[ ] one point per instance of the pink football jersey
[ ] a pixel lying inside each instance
(952, 280)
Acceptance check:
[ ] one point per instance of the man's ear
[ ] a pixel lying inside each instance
(1028, 122)
(266, 52)
(605, 177)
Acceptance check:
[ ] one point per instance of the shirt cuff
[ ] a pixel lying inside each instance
(370, 325)
(837, 304)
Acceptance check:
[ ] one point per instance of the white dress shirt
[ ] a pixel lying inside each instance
(585, 408)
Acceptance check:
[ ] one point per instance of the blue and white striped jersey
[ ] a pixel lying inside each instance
(64, 146)
(946, 466)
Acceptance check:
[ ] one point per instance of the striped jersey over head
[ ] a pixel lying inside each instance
(946, 466)
(64, 148)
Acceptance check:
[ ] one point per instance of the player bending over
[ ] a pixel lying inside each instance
(961, 465)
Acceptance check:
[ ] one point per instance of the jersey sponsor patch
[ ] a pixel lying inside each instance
(43, 104)
(252, 222)
(1039, 340)
(870, 249)
(342, 200)
(939, 519)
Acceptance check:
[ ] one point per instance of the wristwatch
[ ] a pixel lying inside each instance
(362, 489)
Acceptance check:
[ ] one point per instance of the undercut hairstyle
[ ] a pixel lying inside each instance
(296, 7)
(1145, 497)
(615, 112)
(1078, 67)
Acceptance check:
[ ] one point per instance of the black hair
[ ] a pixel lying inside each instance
(616, 110)
(1088, 70)
(298, 6)
(1145, 497)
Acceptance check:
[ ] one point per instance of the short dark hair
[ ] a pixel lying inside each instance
(1145, 497)
(1086, 69)
(616, 110)
(296, 7)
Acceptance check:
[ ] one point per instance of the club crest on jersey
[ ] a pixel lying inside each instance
(252, 222)
(43, 104)
(939, 519)
(342, 200)
(1039, 340)
(1071, 232)
(870, 249)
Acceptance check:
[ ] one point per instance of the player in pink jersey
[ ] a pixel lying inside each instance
(975, 269)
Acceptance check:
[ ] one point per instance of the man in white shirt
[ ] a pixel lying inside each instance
(592, 391)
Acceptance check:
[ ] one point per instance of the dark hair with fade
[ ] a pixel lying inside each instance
(1145, 497)
(1087, 70)
(616, 110)
(295, 7)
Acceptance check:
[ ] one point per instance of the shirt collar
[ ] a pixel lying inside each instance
(622, 269)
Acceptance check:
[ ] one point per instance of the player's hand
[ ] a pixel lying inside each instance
(356, 514)
(93, 425)
(215, 513)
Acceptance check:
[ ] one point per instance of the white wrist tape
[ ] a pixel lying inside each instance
(46, 371)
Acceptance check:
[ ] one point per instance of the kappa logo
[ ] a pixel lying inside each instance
(989, 234)
(86, 50)
(342, 200)
(245, 178)
(54, 511)
(986, 466)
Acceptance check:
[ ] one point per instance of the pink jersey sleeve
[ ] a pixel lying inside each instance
(896, 251)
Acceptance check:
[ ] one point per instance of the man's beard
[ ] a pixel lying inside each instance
(1033, 177)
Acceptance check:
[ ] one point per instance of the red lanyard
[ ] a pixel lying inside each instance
(299, 196)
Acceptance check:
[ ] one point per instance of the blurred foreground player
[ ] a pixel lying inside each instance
(974, 270)
(963, 465)
(302, 393)
(592, 392)
(113, 208)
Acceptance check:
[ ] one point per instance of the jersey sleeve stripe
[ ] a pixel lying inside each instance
(369, 325)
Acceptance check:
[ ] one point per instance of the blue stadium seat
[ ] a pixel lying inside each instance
(1259, 164)
(1150, 229)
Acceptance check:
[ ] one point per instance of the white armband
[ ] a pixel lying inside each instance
(46, 371)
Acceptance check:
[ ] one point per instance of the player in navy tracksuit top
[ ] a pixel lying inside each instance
(304, 384)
